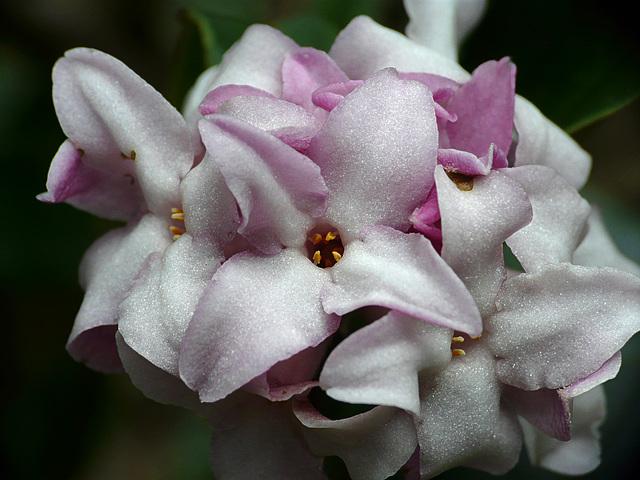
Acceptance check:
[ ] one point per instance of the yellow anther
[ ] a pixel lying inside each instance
(457, 340)
(458, 352)
(476, 338)
(336, 255)
(176, 232)
(317, 238)
(177, 216)
(317, 257)
(176, 210)
(330, 236)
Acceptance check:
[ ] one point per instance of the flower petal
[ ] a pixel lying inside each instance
(103, 193)
(106, 271)
(374, 445)
(258, 310)
(402, 272)
(215, 97)
(561, 323)
(559, 218)
(365, 47)
(462, 421)
(379, 364)
(155, 314)
(541, 142)
(377, 151)
(115, 117)
(475, 224)
(279, 191)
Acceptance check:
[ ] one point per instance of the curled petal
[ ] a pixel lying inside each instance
(374, 445)
(214, 98)
(377, 151)
(257, 311)
(561, 324)
(116, 118)
(402, 272)
(106, 271)
(379, 364)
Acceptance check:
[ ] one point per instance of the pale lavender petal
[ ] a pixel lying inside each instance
(155, 313)
(284, 120)
(475, 223)
(106, 271)
(256, 439)
(329, 96)
(195, 95)
(442, 88)
(112, 195)
(305, 70)
(379, 364)
(377, 151)
(402, 272)
(561, 323)
(541, 142)
(581, 454)
(117, 119)
(279, 191)
(428, 213)
(484, 106)
(257, 311)
(214, 98)
(463, 162)
(559, 218)
(598, 249)
(365, 47)
(462, 420)
(210, 209)
(374, 445)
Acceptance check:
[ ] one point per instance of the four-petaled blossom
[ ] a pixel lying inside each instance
(302, 186)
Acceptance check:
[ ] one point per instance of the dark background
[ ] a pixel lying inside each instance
(577, 60)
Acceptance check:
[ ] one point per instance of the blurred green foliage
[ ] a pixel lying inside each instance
(577, 60)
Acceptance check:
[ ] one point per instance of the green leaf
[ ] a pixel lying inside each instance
(576, 60)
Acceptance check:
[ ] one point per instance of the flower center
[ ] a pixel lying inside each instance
(458, 341)
(176, 214)
(324, 247)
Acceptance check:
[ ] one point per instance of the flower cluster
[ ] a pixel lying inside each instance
(320, 228)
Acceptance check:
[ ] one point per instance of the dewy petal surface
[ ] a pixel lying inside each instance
(462, 421)
(106, 272)
(475, 223)
(279, 191)
(379, 364)
(402, 272)
(377, 151)
(364, 47)
(108, 111)
(374, 445)
(258, 310)
(559, 218)
(560, 324)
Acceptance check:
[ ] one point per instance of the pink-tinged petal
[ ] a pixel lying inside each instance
(115, 196)
(442, 88)
(402, 272)
(155, 383)
(365, 47)
(598, 249)
(155, 313)
(561, 323)
(484, 107)
(279, 191)
(379, 364)
(191, 105)
(106, 271)
(428, 213)
(214, 98)
(374, 445)
(256, 60)
(117, 119)
(541, 142)
(581, 454)
(284, 120)
(462, 420)
(329, 96)
(475, 223)
(464, 162)
(257, 311)
(305, 70)
(559, 218)
(210, 209)
(377, 151)
(442, 24)
(255, 439)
